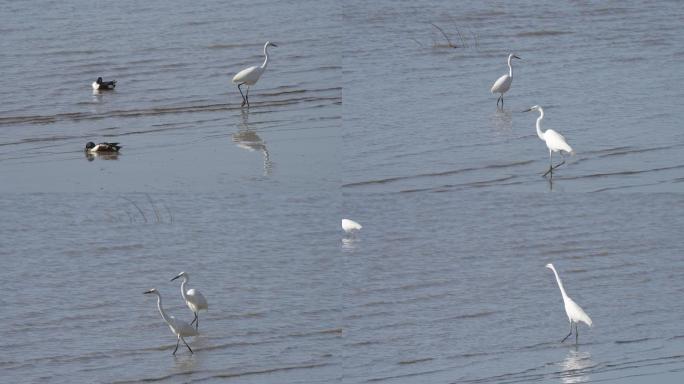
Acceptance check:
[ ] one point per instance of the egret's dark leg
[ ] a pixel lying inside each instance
(247, 97)
(550, 164)
(576, 333)
(561, 163)
(241, 94)
(502, 101)
(177, 342)
(195, 319)
(186, 344)
(568, 333)
(497, 100)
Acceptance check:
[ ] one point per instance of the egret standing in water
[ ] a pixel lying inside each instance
(179, 327)
(554, 141)
(350, 226)
(251, 75)
(575, 313)
(503, 84)
(193, 298)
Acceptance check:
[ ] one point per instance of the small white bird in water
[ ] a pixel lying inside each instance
(179, 327)
(554, 140)
(350, 226)
(100, 85)
(503, 83)
(251, 75)
(575, 313)
(194, 299)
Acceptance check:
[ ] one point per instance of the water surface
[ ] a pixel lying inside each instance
(362, 113)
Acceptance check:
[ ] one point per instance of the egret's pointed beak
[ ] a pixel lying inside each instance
(273, 45)
(146, 292)
(175, 277)
(527, 110)
(517, 57)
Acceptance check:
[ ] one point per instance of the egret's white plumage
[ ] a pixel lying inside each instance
(350, 226)
(249, 76)
(555, 142)
(575, 313)
(503, 83)
(179, 328)
(194, 299)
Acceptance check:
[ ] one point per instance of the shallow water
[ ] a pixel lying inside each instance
(424, 118)
(75, 277)
(445, 284)
(174, 110)
(449, 289)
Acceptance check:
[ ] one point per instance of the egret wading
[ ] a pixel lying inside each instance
(350, 226)
(575, 313)
(503, 83)
(194, 299)
(179, 328)
(249, 76)
(554, 141)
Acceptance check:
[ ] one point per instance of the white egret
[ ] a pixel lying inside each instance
(350, 226)
(251, 75)
(503, 84)
(554, 140)
(193, 298)
(179, 328)
(575, 313)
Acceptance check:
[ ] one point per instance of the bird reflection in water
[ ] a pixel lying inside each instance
(502, 120)
(349, 244)
(247, 139)
(90, 156)
(576, 366)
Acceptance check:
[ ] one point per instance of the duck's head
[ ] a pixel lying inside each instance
(89, 145)
(182, 274)
(99, 80)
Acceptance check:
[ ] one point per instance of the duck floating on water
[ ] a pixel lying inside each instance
(100, 85)
(102, 147)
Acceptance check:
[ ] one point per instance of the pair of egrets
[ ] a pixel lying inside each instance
(194, 300)
(555, 142)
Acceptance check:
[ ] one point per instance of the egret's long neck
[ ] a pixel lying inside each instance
(560, 283)
(510, 67)
(263, 66)
(185, 281)
(541, 136)
(161, 309)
